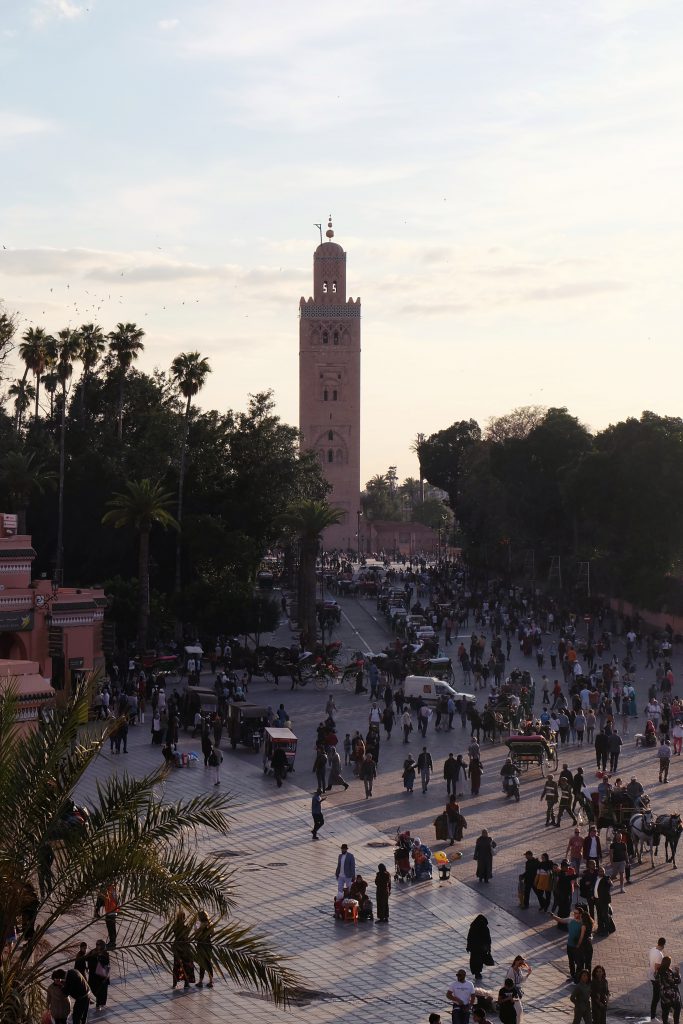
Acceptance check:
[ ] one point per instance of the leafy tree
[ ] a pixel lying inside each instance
(139, 508)
(8, 327)
(440, 455)
(23, 476)
(307, 520)
(125, 345)
(417, 447)
(380, 500)
(433, 513)
(516, 424)
(149, 849)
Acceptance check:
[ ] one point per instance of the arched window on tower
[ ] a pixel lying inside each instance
(334, 396)
(324, 287)
(330, 455)
(339, 456)
(330, 435)
(334, 287)
(335, 337)
(325, 395)
(326, 338)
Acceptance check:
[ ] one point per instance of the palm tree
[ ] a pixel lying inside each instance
(24, 476)
(50, 382)
(147, 848)
(189, 370)
(36, 350)
(143, 504)
(418, 447)
(307, 520)
(68, 348)
(23, 394)
(93, 346)
(125, 345)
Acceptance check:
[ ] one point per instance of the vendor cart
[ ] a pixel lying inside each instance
(283, 739)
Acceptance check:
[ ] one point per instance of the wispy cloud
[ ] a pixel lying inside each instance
(14, 125)
(168, 24)
(57, 10)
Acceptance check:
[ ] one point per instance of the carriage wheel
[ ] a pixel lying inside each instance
(609, 834)
(349, 682)
(552, 761)
(545, 765)
(321, 682)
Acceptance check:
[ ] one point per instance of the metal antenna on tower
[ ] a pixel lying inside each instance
(320, 229)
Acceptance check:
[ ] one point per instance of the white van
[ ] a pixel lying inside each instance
(430, 689)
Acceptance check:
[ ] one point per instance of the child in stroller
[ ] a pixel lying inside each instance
(403, 869)
(422, 858)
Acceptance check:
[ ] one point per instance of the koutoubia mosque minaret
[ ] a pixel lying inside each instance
(329, 385)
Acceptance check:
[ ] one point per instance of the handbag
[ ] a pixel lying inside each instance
(101, 970)
(488, 959)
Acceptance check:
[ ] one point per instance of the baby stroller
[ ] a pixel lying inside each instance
(403, 869)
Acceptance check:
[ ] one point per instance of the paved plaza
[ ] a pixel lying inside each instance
(398, 971)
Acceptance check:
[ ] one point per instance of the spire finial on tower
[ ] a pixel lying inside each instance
(329, 233)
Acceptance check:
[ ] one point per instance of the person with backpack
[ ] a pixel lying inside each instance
(215, 761)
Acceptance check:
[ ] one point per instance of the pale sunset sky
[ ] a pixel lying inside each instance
(505, 176)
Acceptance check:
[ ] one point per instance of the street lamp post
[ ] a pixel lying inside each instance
(359, 516)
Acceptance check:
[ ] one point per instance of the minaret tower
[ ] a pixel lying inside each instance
(329, 385)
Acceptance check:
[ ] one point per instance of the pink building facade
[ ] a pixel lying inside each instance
(58, 629)
(329, 386)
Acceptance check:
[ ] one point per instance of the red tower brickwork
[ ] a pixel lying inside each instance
(329, 385)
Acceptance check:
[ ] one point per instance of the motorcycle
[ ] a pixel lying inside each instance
(511, 786)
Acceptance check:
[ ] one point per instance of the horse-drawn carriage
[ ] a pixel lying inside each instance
(532, 749)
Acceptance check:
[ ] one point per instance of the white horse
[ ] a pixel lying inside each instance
(645, 829)
(642, 828)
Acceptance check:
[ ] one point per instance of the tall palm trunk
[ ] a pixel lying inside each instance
(119, 415)
(179, 518)
(143, 575)
(35, 417)
(18, 417)
(307, 616)
(59, 561)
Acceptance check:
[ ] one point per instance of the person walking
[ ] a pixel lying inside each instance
(336, 778)
(614, 745)
(618, 855)
(518, 972)
(576, 933)
(581, 998)
(479, 945)
(346, 870)
(528, 877)
(98, 973)
(367, 772)
(461, 994)
(601, 750)
(455, 821)
(450, 774)
(57, 1002)
(181, 947)
(203, 937)
(476, 771)
(550, 794)
(664, 756)
(655, 958)
(669, 984)
(317, 812)
(483, 854)
(383, 887)
(507, 997)
(425, 766)
(76, 987)
(599, 995)
(406, 725)
(215, 761)
(409, 772)
(111, 909)
(566, 794)
(320, 766)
